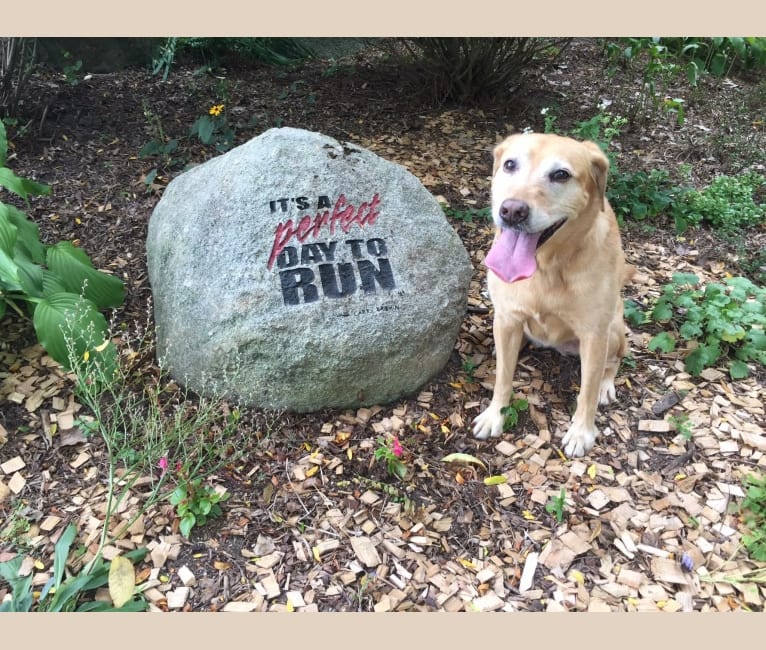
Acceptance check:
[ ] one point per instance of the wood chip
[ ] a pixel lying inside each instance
(528, 574)
(82, 458)
(654, 426)
(365, 551)
(49, 523)
(186, 576)
(17, 483)
(325, 546)
(630, 578)
(177, 598)
(13, 465)
(296, 599)
(270, 586)
(667, 570)
(239, 606)
(488, 603)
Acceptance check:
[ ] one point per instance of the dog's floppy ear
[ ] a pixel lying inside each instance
(498, 155)
(599, 165)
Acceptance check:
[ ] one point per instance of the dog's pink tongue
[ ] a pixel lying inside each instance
(512, 256)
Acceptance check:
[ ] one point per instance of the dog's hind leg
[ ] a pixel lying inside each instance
(618, 347)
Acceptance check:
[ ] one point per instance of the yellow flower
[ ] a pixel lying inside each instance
(216, 110)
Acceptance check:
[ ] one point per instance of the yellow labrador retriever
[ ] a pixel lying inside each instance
(556, 271)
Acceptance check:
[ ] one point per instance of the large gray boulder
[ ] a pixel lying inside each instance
(298, 273)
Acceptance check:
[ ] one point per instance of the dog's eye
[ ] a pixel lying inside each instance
(560, 175)
(509, 165)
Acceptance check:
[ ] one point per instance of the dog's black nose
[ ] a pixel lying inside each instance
(514, 212)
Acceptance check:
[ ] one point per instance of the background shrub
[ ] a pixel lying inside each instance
(17, 61)
(469, 70)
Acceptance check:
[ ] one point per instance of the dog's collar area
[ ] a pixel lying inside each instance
(549, 232)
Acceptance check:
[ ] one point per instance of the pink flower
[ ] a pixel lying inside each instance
(397, 448)
(163, 464)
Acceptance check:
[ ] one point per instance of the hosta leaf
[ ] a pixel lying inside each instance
(68, 325)
(61, 552)
(9, 271)
(30, 276)
(52, 283)
(21, 186)
(28, 233)
(102, 606)
(3, 144)
(122, 580)
(76, 272)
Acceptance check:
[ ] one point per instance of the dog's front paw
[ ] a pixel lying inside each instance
(579, 440)
(489, 423)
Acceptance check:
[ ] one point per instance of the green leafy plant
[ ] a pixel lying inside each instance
(682, 424)
(728, 204)
(549, 120)
(602, 129)
(71, 68)
(633, 313)
(65, 592)
(160, 146)
(717, 55)
(555, 505)
(141, 429)
(16, 526)
(469, 367)
(217, 51)
(512, 411)
(213, 128)
(724, 320)
(642, 195)
(196, 502)
(656, 67)
(164, 58)
(57, 284)
(391, 452)
(753, 509)
(467, 215)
